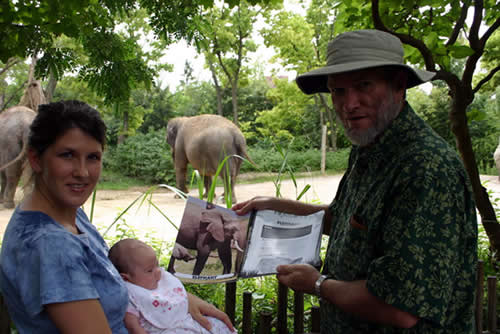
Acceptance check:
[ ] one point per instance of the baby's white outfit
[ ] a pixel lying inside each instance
(165, 309)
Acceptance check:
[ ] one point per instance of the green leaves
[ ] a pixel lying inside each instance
(460, 51)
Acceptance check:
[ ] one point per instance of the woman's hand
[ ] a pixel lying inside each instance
(199, 309)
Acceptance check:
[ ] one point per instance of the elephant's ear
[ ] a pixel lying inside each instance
(172, 127)
(217, 230)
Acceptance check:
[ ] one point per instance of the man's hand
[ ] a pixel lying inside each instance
(299, 277)
(199, 309)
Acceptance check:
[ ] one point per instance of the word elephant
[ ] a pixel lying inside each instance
(204, 141)
(14, 129)
(212, 230)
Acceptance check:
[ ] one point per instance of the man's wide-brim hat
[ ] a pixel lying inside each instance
(357, 50)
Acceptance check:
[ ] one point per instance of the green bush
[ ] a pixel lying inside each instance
(270, 160)
(144, 156)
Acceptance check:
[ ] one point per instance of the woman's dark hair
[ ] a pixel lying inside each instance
(54, 119)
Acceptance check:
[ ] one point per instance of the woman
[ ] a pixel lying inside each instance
(55, 275)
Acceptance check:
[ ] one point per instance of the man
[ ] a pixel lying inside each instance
(403, 234)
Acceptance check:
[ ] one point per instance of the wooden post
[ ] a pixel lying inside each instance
(315, 319)
(323, 149)
(282, 309)
(247, 313)
(230, 306)
(492, 304)
(298, 310)
(479, 296)
(265, 322)
(4, 318)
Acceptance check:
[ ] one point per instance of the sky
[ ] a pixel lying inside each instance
(178, 53)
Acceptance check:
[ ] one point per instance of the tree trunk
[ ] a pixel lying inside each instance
(331, 119)
(31, 72)
(124, 131)
(51, 87)
(234, 98)
(458, 120)
(218, 89)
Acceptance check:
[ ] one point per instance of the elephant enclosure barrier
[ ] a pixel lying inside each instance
(266, 321)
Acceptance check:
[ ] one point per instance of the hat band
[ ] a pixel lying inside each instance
(363, 54)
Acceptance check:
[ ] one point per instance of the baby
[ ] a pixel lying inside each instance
(158, 302)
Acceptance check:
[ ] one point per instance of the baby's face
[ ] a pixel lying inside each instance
(145, 270)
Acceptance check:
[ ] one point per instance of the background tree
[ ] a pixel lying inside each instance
(225, 38)
(301, 46)
(434, 36)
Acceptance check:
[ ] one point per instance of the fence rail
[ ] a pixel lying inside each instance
(266, 322)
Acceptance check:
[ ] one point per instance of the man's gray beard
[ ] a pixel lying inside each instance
(385, 115)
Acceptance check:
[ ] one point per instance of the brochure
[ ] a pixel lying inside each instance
(215, 245)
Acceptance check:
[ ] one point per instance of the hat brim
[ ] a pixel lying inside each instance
(316, 80)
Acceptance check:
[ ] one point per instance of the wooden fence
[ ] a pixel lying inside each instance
(266, 321)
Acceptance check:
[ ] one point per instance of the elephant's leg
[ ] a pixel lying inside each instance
(180, 176)
(171, 264)
(3, 185)
(207, 182)
(225, 256)
(13, 174)
(201, 259)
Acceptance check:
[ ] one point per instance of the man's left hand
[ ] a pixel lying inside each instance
(299, 277)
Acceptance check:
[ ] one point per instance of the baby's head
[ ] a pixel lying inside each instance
(136, 262)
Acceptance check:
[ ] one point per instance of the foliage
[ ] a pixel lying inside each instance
(225, 38)
(12, 81)
(144, 156)
(289, 118)
(194, 99)
(270, 160)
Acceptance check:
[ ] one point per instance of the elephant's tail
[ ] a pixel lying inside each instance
(240, 145)
(20, 156)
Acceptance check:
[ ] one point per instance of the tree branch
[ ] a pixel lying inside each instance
(430, 65)
(489, 32)
(476, 24)
(10, 62)
(486, 79)
(459, 24)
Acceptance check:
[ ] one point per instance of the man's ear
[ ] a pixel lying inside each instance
(399, 85)
(34, 160)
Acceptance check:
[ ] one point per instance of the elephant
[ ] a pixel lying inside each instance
(14, 129)
(204, 141)
(496, 156)
(212, 229)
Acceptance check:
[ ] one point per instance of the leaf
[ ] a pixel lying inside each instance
(460, 51)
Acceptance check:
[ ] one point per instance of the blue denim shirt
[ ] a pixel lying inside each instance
(43, 263)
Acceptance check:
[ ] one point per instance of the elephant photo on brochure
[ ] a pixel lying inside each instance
(206, 229)
(15, 124)
(204, 141)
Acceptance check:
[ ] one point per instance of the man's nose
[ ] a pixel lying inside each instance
(351, 100)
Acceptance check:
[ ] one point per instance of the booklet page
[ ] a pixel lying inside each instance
(280, 238)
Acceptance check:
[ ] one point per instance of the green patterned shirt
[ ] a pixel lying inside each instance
(404, 220)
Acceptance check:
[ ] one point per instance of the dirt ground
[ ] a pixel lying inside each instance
(146, 219)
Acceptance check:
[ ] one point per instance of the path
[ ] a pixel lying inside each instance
(147, 219)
